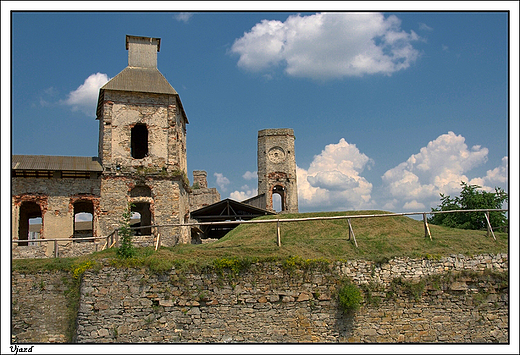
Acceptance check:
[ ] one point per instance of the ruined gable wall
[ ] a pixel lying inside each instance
(55, 197)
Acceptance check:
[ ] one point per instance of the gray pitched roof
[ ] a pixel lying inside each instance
(55, 163)
(140, 80)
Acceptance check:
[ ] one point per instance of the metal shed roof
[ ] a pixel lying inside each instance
(55, 163)
(140, 80)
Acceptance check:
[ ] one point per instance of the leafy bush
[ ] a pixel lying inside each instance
(471, 199)
(349, 297)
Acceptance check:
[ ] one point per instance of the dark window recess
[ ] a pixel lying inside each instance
(139, 141)
(28, 211)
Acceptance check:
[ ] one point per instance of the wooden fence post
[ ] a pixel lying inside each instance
(351, 232)
(278, 238)
(426, 227)
(489, 229)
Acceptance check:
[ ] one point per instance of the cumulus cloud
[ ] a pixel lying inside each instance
(248, 175)
(183, 16)
(222, 181)
(244, 193)
(84, 98)
(494, 178)
(438, 168)
(328, 45)
(334, 181)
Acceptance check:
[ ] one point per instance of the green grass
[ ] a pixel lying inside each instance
(378, 238)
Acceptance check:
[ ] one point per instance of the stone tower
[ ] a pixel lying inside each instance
(277, 168)
(142, 145)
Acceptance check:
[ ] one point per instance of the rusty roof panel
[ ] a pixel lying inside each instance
(55, 163)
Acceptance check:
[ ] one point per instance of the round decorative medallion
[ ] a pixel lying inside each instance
(276, 155)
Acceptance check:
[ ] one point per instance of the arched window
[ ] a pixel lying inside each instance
(139, 141)
(83, 219)
(30, 214)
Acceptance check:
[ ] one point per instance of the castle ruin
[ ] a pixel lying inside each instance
(141, 161)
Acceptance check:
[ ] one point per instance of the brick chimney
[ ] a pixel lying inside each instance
(142, 51)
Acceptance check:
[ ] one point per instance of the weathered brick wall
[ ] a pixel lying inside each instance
(269, 304)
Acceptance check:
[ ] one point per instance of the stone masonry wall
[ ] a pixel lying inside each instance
(39, 307)
(269, 302)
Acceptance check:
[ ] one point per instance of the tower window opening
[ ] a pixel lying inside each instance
(139, 141)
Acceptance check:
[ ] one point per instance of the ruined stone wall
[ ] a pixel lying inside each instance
(166, 131)
(168, 204)
(203, 197)
(270, 303)
(56, 198)
(39, 307)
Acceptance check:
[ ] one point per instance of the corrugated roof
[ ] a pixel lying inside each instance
(55, 163)
(140, 80)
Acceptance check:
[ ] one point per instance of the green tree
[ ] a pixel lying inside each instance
(126, 249)
(471, 198)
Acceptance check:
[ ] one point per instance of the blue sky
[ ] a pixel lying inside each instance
(388, 109)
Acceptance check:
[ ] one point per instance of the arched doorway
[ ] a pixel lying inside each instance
(142, 212)
(30, 213)
(278, 198)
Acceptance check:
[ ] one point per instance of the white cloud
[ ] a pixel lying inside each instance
(248, 175)
(494, 178)
(328, 45)
(222, 181)
(414, 206)
(183, 16)
(244, 193)
(85, 97)
(438, 168)
(333, 180)
(83, 217)
(424, 27)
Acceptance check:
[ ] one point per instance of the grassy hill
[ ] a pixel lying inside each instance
(378, 239)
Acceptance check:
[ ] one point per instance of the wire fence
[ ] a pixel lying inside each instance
(112, 239)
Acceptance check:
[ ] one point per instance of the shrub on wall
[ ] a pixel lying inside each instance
(349, 296)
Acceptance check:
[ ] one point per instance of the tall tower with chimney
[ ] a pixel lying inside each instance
(142, 146)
